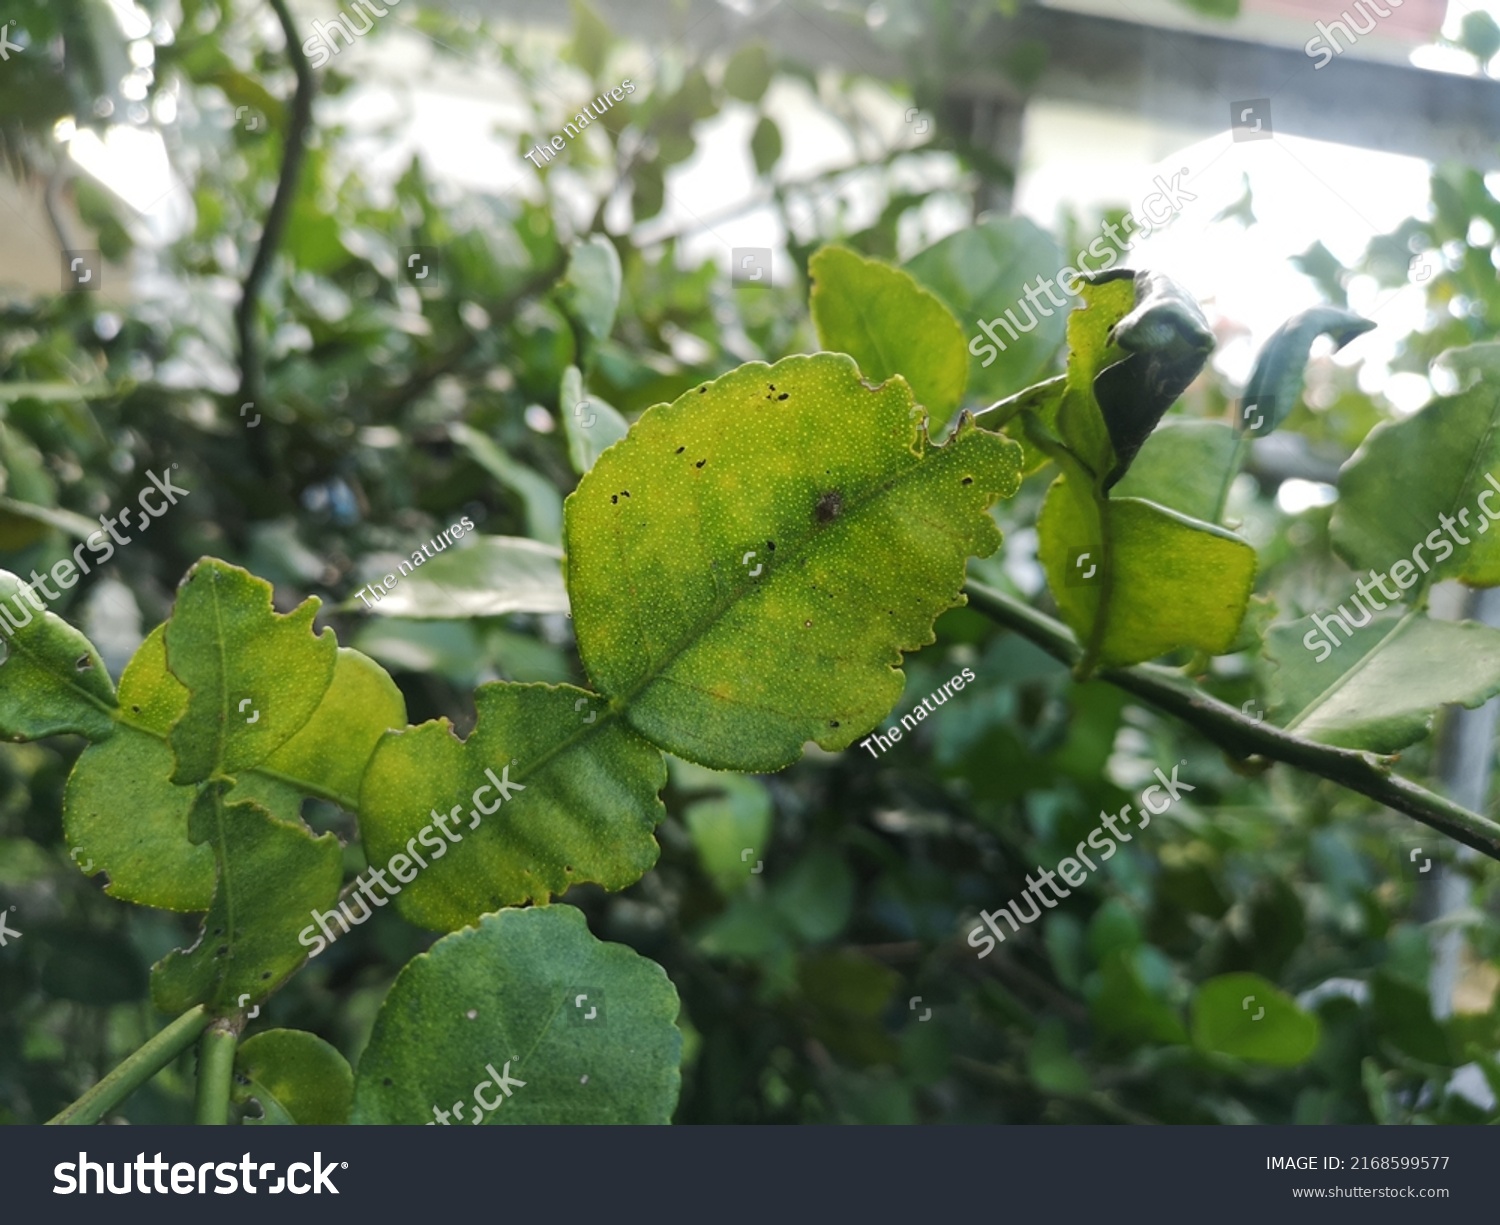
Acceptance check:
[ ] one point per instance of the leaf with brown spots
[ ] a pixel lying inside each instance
(776, 558)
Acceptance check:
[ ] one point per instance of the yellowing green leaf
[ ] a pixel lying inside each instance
(328, 754)
(890, 325)
(1080, 420)
(271, 874)
(1134, 580)
(295, 1076)
(254, 676)
(121, 812)
(51, 678)
(583, 805)
(124, 816)
(748, 566)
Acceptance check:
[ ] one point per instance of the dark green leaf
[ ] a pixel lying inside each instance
(981, 273)
(1167, 340)
(1381, 685)
(525, 1018)
(1276, 381)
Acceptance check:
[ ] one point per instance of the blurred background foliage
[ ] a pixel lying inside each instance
(826, 978)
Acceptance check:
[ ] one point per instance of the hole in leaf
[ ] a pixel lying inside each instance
(782, 396)
(700, 463)
(84, 663)
(968, 480)
(679, 450)
(771, 544)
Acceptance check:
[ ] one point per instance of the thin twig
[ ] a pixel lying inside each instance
(1237, 733)
(293, 151)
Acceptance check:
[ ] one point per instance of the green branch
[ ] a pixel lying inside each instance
(135, 1071)
(216, 1071)
(1240, 735)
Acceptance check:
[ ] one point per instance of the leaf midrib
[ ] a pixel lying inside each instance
(14, 643)
(700, 628)
(1347, 678)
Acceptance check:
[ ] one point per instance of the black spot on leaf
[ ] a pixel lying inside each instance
(829, 507)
